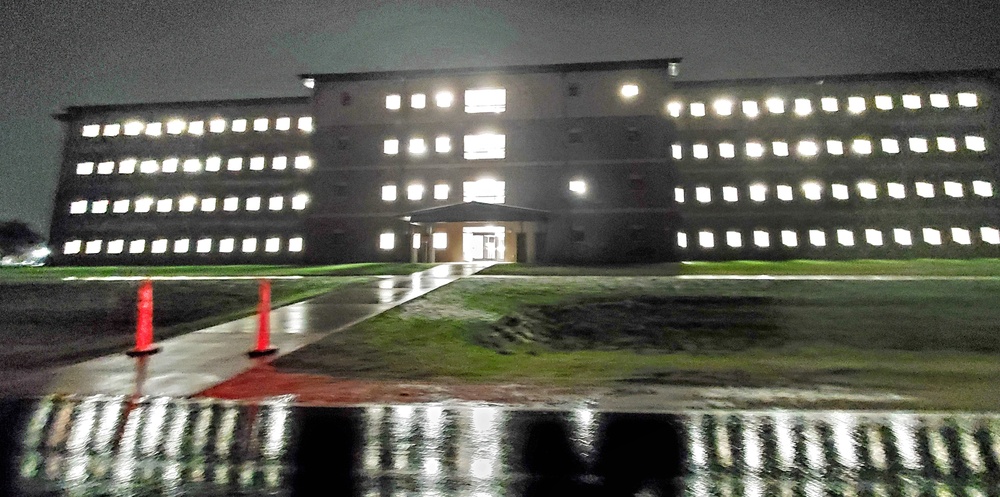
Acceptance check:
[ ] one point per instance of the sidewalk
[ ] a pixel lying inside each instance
(195, 361)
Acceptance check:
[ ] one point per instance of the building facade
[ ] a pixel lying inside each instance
(592, 162)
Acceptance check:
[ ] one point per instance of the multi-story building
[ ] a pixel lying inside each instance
(608, 161)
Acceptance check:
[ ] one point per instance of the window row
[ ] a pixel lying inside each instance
(812, 148)
(192, 165)
(189, 203)
(387, 240)
(488, 191)
(479, 100)
(725, 107)
(708, 239)
(814, 190)
(206, 245)
(480, 146)
(197, 128)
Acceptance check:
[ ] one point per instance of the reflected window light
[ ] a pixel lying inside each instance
(918, 145)
(946, 144)
(975, 143)
(112, 129)
(159, 246)
(706, 239)
(144, 204)
(990, 235)
(780, 149)
(677, 152)
(252, 204)
(300, 201)
(303, 162)
(784, 192)
(418, 101)
(789, 238)
(939, 101)
(734, 239)
(257, 163)
(674, 109)
(873, 237)
(283, 123)
(812, 190)
(924, 189)
(239, 125)
(703, 194)
(227, 245)
(72, 247)
(175, 127)
(306, 124)
(99, 207)
(208, 204)
(417, 146)
(387, 241)
(758, 192)
(93, 247)
(968, 100)
(961, 236)
(390, 146)
(249, 245)
(883, 102)
(835, 147)
(856, 105)
(164, 205)
(890, 145)
(840, 191)
(148, 166)
(829, 104)
(276, 203)
(192, 166)
(295, 244)
(393, 102)
(727, 150)
(896, 190)
(755, 149)
(697, 109)
(444, 99)
(90, 131)
(388, 193)
(441, 191)
(750, 108)
(931, 236)
(982, 188)
(682, 239)
(817, 238)
(803, 106)
(234, 164)
(196, 128)
(723, 107)
(187, 203)
(730, 194)
(127, 166)
(203, 246)
(808, 148)
(260, 124)
(272, 245)
(912, 102)
(700, 151)
(775, 105)
(217, 126)
(213, 164)
(761, 239)
(182, 245)
(78, 207)
(861, 146)
(107, 167)
(442, 144)
(231, 204)
(414, 192)
(136, 246)
(868, 190)
(678, 195)
(902, 236)
(134, 128)
(85, 168)
(120, 206)
(953, 189)
(170, 165)
(845, 238)
(439, 241)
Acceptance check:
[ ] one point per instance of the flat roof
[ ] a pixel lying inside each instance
(76, 110)
(983, 73)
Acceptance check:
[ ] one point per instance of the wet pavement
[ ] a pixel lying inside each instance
(195, 361)
(116, 445)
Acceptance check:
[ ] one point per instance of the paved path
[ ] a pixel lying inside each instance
(195, 361)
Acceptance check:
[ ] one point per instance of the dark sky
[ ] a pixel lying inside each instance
(71, 52)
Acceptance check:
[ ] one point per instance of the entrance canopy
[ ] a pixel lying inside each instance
(469, 212)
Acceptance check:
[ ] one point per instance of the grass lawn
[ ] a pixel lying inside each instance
(934, 340)
(357, 269)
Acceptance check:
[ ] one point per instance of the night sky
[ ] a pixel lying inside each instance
(76, 52)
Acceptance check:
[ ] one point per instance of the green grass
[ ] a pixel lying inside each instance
(356, 269)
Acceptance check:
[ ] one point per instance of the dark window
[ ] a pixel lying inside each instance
(339, 190)
(345, 99)
(576, 234)
(573, 90)
(575, 135)
(343, 143)
(632, 134)
(636, 233)
(636, 182)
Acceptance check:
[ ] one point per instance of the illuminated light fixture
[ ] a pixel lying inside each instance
(144, 204)
(873, 237)
(883, 102)
(896, 190)
(890, 145)
(750, 108)
(272, 245)
(817, 238)
(845, 238)
(706, 239)
(578, 187)
(90, 131)
(134, 128)
(674, 109)
(924, 189)
(812, 190)
(780, 149)
(439, 241)
(789, 238)
(441, 191)
(279, 162)
(803, 106)
(758, 192)
(120, 206)
(276, 203)
(961, 236)
(912, 102)
(303, 162)
(300, 201)
(164, 205)
(159, 246)
(939, 101)
(182, 245)
(902, 237)
(78, 207)
(678, 196)
(136, 246)
(676, 150)
(697, 109)
(840, 191)
(175, 127)
(946, 144)
(868, 190)
(99, 207)
(169, 165)
(808, 148)
(389, 193)
(761, 239)
(252, 204)
(227, 245)
(982, 188)
(112, 129)
(196, 128)
(723, 107)
(775, 105)
(234, 164)
(217, 126)
(387, 241)
(703, 194)
(72, 247)
(918, 145)
(700, 151)
(107, 167)
(203, 246)
(390, 146)
(968, 100)
(975, 143)
(231, 204)
(239, 125)
(309, 83)
(682, 239)
(283, 123)
(784, 193)
(485, 100)
(260, 124)
(93, 247)
(418, 101)
(727, 150)
(835, 147)
(990, 235)
(953, 189)
(417, 146)
(187, 203)
(444, 99)
(630, 90)
(442, 144)
(829, 104)
(208, 204)
(127, 166)
(249, 245)
(306, 124)
(861, 146)
(755, 149)
(931, 236)
(856, 105)
(192, 166)
(734, 239)
(85, 168)
(295, 244)
(414, 192)
(730, 194)
(257, 163)
(116, 246)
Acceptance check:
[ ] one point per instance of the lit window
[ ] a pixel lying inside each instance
(72, 247)
(961, 236)
(727, 150)
(175, 127)
(187, 203)
(784, 193)
(982, 188)
(170, 165)
(306, 124)
(808, 148)
(485, 146)
(134, 128)
(845, 238)
(252, 204)
(946, 144)
(93, 246)
(137, 246)
(780, 149)
(217, 125)
(159, 246)
(761, 239)
(924, 189)
(283, 123)
(890, 145)
(755, 149)
(442, 144)
(883, 102)
(750, 108)
(127, 166)
(703, 194)
(441, 192)
(734, 239)
(443, 98)
(578, 186)
(234, 164)
(758, 192)
(208, 204)
(417, 146)
(867, 190)
(896, 190)
(676, 150)
(85, 168)
(295, 244)
(812, 190)
(932, 236)
(730, 194)
(706, 239)
(279, 162)
(990, 235)
(856, 105)
(723, 107)
(182, 246)
(630, 90)
(99, 207)
(107, 167)
(120, 206)
(912, 102)
(953, 189)
(418, 100)
(674, 109)
(968, 100)
(276, 203)
(112, 129)
(817, 238)
(231, 204)
(700, 151)
(775, 105)
(386, 241)
(148, 166)
(803, 106)
(78, 207)
(272, 245)
(390, 146)
(389, 193)
(939, 100)
(239, 125)
(902, 236)
(192, 165)
(485, 100)
(116, 246)
(260, 124)
(257, 163)
(414, 192)
(439, 241)
(485, 190)
(861, 147)
(90, 131)
(975, 143)
(840, 191)
(789, 238)
(835, 147)
(300, 201)
(164, 205)
(227, 245)
(697, 109)
(829, 104)
(393, 102)
(203, 246)
(213, 164)
(303, 162)
(144, 204)
(196, 127)
(249, 245)
(679, 195)
(918, 145)
(682, 240)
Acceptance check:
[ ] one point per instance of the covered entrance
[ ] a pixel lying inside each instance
(475, 231)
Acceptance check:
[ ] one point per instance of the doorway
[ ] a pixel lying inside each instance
(483, 243)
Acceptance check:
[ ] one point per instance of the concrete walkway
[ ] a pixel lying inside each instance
(195, 361)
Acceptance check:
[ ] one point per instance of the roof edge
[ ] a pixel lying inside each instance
(983, 73)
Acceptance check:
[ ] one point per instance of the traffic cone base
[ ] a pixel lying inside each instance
(262, 352)
(150, 350)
